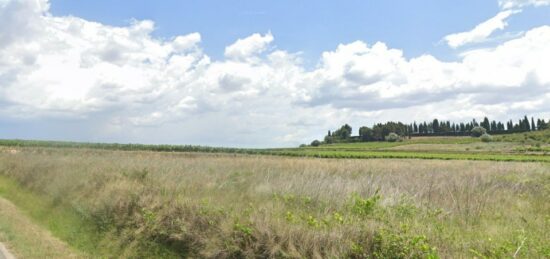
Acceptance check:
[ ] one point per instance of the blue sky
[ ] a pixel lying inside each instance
(264, 73)
(310, 27)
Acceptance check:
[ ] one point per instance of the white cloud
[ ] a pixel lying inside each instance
(246, 48)
(482, 31)
(127, 85)
(509, 4)
(354, 73)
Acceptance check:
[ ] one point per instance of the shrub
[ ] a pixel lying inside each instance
(392, 137)
(315, 143)
(364, 206)
(486, 138)
(388, 244)
(478, 131)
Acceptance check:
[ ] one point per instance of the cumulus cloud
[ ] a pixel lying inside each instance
(127, 85)
(482, 31)
(377, 77)
(248, 47)
(22, 19)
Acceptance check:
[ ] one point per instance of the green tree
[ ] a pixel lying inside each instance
(436, 126)
(478, 131)
(343, 133)
(485, 123)
(366, 134)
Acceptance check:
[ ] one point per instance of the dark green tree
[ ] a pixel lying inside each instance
(366, 134)
(485, 124)
(435, 126)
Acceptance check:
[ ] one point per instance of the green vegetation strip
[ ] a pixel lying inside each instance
(415, 155)
(353, 150)
(62, 220)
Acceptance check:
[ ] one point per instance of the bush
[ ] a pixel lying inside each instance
(392, 137)
(388, 244)
(364, 206)
(478, 131)
(486, 138)
(315, 143)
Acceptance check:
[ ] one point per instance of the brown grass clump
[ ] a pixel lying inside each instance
(234, 206)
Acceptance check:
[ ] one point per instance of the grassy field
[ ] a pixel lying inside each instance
(531, 138)
(108, 203)
(523, 147)
(527, 147)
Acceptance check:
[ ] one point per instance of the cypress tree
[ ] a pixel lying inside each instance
(486, 124)
(526, 124)
(435, 126)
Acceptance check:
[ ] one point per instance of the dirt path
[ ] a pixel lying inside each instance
(25, 239)
(4, 253)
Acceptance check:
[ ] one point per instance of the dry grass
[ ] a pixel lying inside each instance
(205, 205)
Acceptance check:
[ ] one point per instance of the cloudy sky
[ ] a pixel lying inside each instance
(264, 73)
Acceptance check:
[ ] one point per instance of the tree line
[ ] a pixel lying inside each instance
(380, 131)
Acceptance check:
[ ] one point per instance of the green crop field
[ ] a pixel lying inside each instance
(458, 148)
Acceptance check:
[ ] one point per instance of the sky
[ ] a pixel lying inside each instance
(264, 73)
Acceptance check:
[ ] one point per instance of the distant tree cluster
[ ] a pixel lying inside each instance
(343, 134)
(382, 131)
(446, 128)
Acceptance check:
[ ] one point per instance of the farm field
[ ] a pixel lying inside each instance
(532, 146)
(464, 148)
(110, 203)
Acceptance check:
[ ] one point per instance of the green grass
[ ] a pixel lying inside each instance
(533, 137)
(413, 155)
(64, 221)
(24, 237)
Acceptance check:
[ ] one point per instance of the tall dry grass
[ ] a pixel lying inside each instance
(231, 206)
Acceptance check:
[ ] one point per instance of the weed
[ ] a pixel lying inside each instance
(312, 221)
(338, 218)
(388, 244)
(364, 206)
(243, 229)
